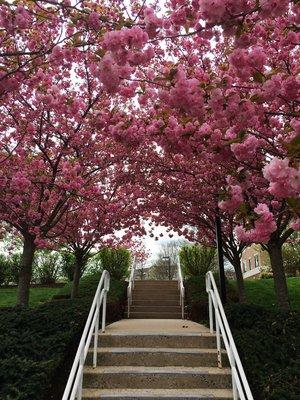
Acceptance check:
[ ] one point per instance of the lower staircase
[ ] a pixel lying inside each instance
(156, 359)
(155, 299)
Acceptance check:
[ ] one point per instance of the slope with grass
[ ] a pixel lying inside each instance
(38, 295)
(261, 292)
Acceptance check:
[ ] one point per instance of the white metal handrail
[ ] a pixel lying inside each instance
(74, 385)
(240, 386)
(181, 287)
(130, 286)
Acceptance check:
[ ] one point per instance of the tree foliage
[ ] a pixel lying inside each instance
(116, 262)
(197, 260)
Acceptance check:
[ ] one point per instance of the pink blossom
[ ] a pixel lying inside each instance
(295, 224)
(284, 180)
(213, 10)
(235, 201)
(264, 226)
(94, 20)
(247, 149)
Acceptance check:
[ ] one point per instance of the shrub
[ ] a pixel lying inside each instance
(291, 256)
(266, 275)
(9, 269)
(36, 343)
(197, 260)
(116, 262)
(3, 269)
(47, 266)
(268, 342)
(68, 264)
(13, 271)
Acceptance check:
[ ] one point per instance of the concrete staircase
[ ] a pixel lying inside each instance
(156, 359)
(155, 299)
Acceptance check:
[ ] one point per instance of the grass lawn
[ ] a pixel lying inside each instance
(38, 295)
(261, 292)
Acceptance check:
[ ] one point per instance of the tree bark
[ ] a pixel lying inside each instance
(236, 262)
(281, 291)
(77, 273)
(25, 271)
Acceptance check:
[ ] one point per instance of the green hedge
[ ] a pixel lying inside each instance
(197, 299)
(35, 343)
(268, 342)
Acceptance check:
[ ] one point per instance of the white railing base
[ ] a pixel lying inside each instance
(74, 384)
(240, 386)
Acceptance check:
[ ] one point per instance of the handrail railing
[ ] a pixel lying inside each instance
(130, 287)
(240, 386)
(74, 385)
(181, 287)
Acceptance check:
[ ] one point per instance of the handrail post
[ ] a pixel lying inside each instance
(81, 363)
(240, 385)
(219, 351)
(234, 389)
(96, 333)
(210, 304)
(104, 311)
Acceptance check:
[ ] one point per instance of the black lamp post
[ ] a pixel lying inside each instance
(169, 265)
(220, 258)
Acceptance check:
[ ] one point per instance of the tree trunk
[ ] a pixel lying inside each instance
(77, 273)
(280, 285)
(25, 271)
(236, 262)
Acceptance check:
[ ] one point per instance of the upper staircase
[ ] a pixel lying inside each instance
(156, 300)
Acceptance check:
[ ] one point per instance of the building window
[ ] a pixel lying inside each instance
(249, 263)
(244, 267)
(256, 261)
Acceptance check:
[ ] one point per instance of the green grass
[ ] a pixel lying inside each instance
(38, 295)
(261, 292)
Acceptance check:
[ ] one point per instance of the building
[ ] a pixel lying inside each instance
(254, 261)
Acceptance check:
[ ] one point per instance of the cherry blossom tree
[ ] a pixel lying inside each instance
(95, 224)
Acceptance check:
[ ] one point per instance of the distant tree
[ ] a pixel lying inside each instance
(291, 256)
(167, 256)
(47, 266)
(160, 270)
(116, 262)
(197, 260)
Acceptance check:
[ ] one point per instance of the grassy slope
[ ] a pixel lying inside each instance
(261, 292)
(38, 295)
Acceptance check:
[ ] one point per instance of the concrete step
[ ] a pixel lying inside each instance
(164, 302)
(154, 290)
(155, 315)
(156, 357)
(189, 340)
(156, 394)
(159, 286)
(158, 296)
(160, 308)
(156, 282)
(156, 377)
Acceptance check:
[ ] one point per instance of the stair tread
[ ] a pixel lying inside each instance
(190, 350)
(162, 334)
(173, 393)
(173, 370)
